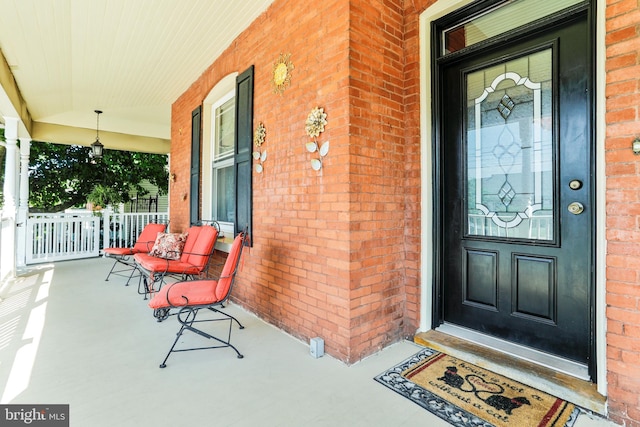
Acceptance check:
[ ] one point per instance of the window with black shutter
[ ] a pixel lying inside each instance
(196, 132)
(243, 157)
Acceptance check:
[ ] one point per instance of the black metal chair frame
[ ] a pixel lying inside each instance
(187, 314)
(187, 318)
(128, 263)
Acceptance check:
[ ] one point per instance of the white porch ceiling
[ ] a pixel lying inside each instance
(129, 58)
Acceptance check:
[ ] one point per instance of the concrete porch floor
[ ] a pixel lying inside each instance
(69, 337)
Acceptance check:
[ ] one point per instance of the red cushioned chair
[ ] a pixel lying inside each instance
(123, 257)
(188, 298)
(191, 265)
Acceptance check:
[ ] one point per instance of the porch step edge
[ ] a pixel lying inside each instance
(579, 392)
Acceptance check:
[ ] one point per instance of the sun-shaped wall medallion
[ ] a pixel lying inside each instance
(282, 73)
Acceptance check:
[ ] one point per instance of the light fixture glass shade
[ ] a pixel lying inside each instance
(96, 149)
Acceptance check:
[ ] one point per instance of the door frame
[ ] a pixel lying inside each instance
(429, 190)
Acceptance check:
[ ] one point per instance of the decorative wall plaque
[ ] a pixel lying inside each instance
(282, 73)
(258, 139)
(314, 126)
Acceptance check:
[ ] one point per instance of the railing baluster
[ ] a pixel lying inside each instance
(55, 237)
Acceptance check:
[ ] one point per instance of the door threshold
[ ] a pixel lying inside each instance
(474, 348)
(526, 353)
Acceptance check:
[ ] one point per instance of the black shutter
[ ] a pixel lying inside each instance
(196, 126)
(243, 160)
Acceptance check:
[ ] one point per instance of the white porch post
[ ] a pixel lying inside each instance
(10, 172)
(23, 207)
(8, 268)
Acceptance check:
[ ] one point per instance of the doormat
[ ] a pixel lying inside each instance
(465, 395)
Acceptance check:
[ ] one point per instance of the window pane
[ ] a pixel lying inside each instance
(225, 191)
(507, 17)
(225, 122)
(510, 149)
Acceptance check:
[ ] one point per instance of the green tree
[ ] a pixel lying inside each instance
(63, 176)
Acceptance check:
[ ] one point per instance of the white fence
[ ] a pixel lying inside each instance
(58, 237)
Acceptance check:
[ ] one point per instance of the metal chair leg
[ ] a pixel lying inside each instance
(187, 317)
(227, 315)
(164, 362)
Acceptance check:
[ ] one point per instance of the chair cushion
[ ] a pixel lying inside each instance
(148, 236)
(199, 247)
(229, 269)
(143, 244)
(154, 264)
(179, 294)
(119, 252)
(169, 245)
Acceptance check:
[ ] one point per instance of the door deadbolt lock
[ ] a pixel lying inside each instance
(575, 184)
(576, 208)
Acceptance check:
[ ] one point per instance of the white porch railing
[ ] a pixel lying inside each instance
(58, 237)
(7, 258)
(121, 230)
(538, 227)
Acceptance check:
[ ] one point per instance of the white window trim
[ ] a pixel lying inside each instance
(220, 102)
(221, 93)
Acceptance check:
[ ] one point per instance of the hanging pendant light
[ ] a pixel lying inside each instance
(97, 148)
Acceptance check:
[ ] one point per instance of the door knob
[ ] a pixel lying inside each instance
(576, 208)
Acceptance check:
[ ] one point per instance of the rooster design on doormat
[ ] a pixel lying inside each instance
(496, 399)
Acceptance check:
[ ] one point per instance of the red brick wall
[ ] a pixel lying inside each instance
(336, 252)
(379, 186)
(623, 211)
(329, 256)
(180, 164)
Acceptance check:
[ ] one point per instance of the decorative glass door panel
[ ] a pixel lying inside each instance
(510, 149)
(516, 168)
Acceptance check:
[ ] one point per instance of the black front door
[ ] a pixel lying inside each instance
(516, 190)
